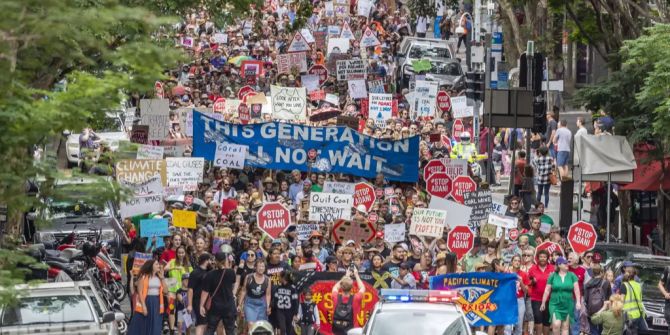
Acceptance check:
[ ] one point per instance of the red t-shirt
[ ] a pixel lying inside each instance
(519, 165)
(537, 290)
(580, 272)
(168, 255)
(525, 280)
(356, 306)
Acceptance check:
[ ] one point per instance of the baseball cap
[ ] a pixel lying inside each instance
(561, 260)
(628, 264)
(349, 242)
(361, 208)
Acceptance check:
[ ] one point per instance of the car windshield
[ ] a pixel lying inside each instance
(445, 68)
(75, 208)
(649, 274)
(51, 309)
(422, 50)
(417, 322)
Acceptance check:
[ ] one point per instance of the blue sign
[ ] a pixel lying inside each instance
(487, 299)
(284, 146)
(154, 227)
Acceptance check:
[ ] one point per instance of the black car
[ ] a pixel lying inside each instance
(649, 270)
(610, 251)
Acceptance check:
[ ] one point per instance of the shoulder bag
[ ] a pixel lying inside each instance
(208, 302)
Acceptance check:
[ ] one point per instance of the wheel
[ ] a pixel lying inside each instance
(118, 290)
(122, 326)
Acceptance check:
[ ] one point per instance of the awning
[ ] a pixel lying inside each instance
(648, 176)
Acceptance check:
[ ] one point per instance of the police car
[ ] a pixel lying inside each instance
(409, 312)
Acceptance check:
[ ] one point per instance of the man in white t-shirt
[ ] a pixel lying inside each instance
(581, 130)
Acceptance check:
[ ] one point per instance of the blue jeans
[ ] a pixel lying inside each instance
(595, 329)
(574, 326)
(436, 27)
(543, 189)
(518, 328)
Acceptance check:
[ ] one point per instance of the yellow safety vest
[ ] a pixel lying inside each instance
(632, 303)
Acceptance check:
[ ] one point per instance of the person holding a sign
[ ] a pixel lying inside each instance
(148, 317)
(563, 287)
(346, 304)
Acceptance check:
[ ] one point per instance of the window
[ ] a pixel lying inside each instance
(418, 322)
(52, 309)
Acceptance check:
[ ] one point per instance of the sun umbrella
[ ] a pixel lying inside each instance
(325, 114)
(238, 59)
(178, 90)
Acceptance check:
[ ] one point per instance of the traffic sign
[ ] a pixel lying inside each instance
(273, 218)
(462, 185)
(582, 237)
(456, 129)
(219, 105)
(460, 240)
(443, 101)
(320, 71)
(364, 194)
(439, 185)
(433, 166)
(550, 247)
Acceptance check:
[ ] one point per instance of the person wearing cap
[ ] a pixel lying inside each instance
(315, 239)
(563, 287)
(218, 287)
(380, 244)
(627, 266)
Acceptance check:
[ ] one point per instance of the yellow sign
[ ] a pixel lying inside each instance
(185, 219)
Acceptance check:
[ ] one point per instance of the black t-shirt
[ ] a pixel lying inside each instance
(275, 272)
(393, 268)
(243, 271)
(665, 279)
(285, 298)
(551, 126)
(223, 300)
(195, 282)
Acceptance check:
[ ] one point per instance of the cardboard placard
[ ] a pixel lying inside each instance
(141, 205)
(230, 155)
(139, 134)
(155, 113)
(394, 233)
(325, 207)
(480, 202)
(149, 152)
(184, 219)
(338, 187)
(185, 172)
(289, 103)
(295, 59)
(351, 69)
(428, 222)
(133, 171)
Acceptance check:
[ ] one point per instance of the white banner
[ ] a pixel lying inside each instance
(186, 172)
(150, 152)
(325, 207)
(394, 233)
(506, 222)
(142, 205)
(230, 155)
(289, 103)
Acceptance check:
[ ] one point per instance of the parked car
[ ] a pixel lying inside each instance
(447, 72)
(59, 308)
(111, 135)
(69, 213)
(649, 270)
(414, 48)
(610, 251)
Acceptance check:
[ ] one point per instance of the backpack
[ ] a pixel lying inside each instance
(596, 298)
(343, 315)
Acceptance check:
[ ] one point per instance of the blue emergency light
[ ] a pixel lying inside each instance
(404, 295)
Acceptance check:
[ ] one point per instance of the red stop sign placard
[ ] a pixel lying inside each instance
(462, 185)
(439, 185)
(582, 237)
(550, 247)
(513, 234)
(244, 90)
(364, 194)
(456, 129)
(320, 71)
(273, 218)
(433, 166)
(219, 105)
(443, 101)
(460, 240)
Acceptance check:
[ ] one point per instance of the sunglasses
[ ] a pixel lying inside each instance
(527, 255)
(254, 244)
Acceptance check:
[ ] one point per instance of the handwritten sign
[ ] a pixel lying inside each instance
(149, 152)
(230, 155)
(295, 59)
(480, 202)
(155, 113)
(132, 171)
(428, 222)
(325, 207)
(186, 172)
(394, 233)
(289, 103)
(141, 205)
(338, 187)
(305, 230)
(380, 108)
(351, 69)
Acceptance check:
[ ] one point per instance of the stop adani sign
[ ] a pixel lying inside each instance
(433, 166)
(582, 237)
(439, 185)
(460, 240)
(364, 194)
(273, 218)
(462, 185)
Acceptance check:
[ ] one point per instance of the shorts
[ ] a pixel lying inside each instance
(562, 158)
(255, 309)
(541, 317)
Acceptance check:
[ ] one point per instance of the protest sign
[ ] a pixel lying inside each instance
(338, 45)
(462, 185)
(455, 167)
(154, 227)
(480, 202)
(425, 98)
(284, 146)
(333, 32)
(380, 108)
(582, 237)
(317, 95)
(253, 66)
(357, 89)
(331, 62)
(457, 212)
(498, 208)
(488, 231)
(310, 82)
(320, 38)
(133, 171)
(394, 233)
(376, 86)
(305, 230)
(298, 43)
(186, 172)
(338, 187)
(149, 152)
(155, 113)
(460, 108)
(428, 222)
(184, 219)
(329, 9)
(496, 291)
(326, 207)
(230, 155)
(364, 7)
(307, 34)
(507, 222)
(219, 105)
(369, 39)
(141, 205)
(443, 101)
(158, 88)
(187, 41)
(139, 260)
(346, 32)
(273, 218)
(341, 8)
(351, 69)
(220, 38)
(151, 186)
(231, 106)
(289, 103)
(333, 100)
(139, 134)
(320, 71)
(285, 62)
(358, 231)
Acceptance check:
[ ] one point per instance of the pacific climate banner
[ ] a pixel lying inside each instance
(284, 146)
(486, 298)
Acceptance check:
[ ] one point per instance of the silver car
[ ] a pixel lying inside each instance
(59, 308)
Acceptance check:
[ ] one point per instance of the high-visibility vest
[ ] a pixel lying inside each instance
(142, 294)
(632, 303)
